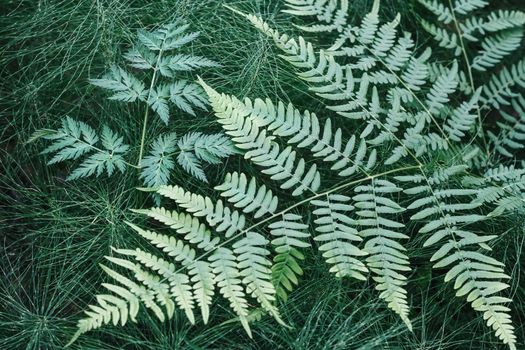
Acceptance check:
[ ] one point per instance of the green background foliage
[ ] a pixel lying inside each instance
(53, 233)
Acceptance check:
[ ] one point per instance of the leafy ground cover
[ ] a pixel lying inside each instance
(53, 233)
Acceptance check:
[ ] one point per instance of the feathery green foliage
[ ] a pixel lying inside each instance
(357, 234)
(396, 159)
(76, 139)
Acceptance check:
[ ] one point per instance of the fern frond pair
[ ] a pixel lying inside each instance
(260, 120)
(152, 53)
(192, 150)
(106, 153)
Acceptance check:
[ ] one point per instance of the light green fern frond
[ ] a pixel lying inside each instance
(476, 275)
(243, 122)
(338, 237)
(247, 196)
(331, 13)
(124, 86)
(502, 87)
(494, 49)
(502, 187)
(386, 257)
(157, 166)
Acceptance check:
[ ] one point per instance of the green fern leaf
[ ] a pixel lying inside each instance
(186, 96)
(290, 237)
(157, 166)
(476, 275)
(245, 195)
(494, 49)
(76, 139)
(124, 86)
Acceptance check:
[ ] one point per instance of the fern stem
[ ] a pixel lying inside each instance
(146, 114)
(470, 75)
(143, 137)
(304, 201)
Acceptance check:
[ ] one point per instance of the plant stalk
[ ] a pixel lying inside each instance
(146, 114)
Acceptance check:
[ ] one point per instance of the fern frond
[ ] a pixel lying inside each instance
(193, 149)
(503, 187)
(463, 118)
(196, 148)
(167, 37)
(441, 11)
(243, 122)
(187, 157)
(186, 96)
(153, 52)
(289, 237)
(500, 89)
(76, 139)
(474, 28)
(438, 96)
(356, 86)
(195, 232)
(511, 137)
(179, 287)
(170, 245)
(157, 166)
(444, 38)
(124, 86)
(141, 58)
(495, 48)
(247, 196)
(228, 278)
(172, 64)
(255, 268)
(156, 293)
(217, 215)
(337, 236)
(71, 141)
(110, 308)
(476, 274)
(333, 14)
(158, 101)
(212, 148)
(464, 7)
(386, 256)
